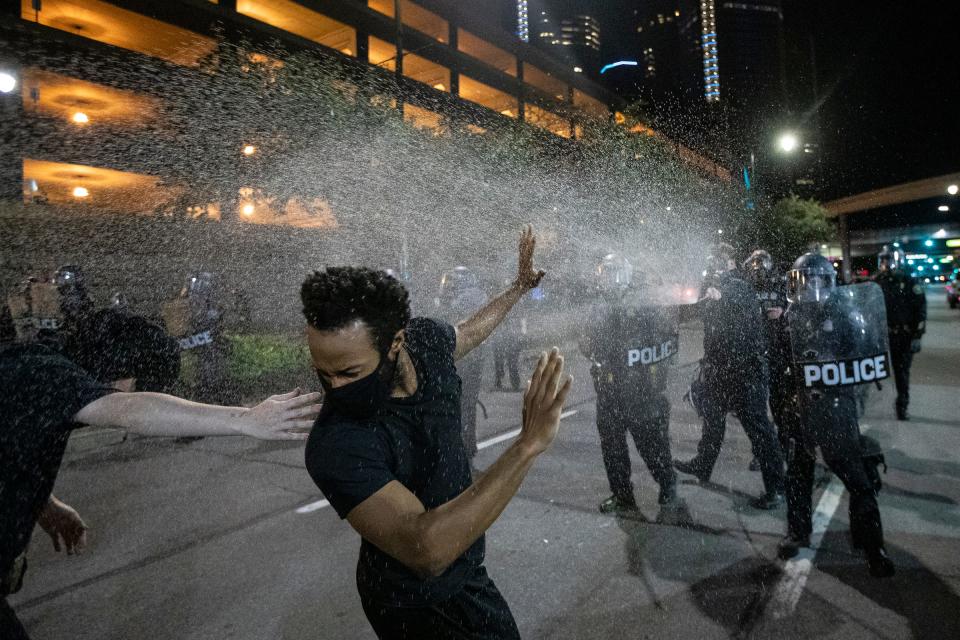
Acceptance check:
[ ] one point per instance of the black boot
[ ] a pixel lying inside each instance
(692, 468)
(790, 546)
(902, 413)
(881, 566)
(619, 505)
(768, 501)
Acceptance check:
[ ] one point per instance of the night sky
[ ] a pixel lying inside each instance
(887, 73)
(889, 77)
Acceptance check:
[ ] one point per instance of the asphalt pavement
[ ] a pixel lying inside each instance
(229, 538)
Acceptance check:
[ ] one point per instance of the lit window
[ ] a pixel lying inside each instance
(487, 96)
(486, 52)
(590, 105)
(422, 118)
(425, 71)
(108, 190)
(111, 25)
(298, 20)
(546, 120)
(415, 17)
(544, 81)
(81, 102)
(382, 54)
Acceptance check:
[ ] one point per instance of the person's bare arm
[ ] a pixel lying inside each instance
(280, 417)
(474, 330)
(429, 541)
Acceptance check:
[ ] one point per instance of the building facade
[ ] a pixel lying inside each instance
(105, 133)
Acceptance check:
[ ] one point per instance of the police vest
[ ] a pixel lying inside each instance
(197, 340)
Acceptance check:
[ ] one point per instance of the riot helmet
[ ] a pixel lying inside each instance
(758, 267)
(71, 285)
(888, 259)
(198, 284)
(720, 260)
(613, 274)
(812, 279)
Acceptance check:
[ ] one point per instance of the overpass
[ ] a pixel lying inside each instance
(940, 191)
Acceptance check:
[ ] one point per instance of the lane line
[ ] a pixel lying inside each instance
(320, 504)
(789, 588)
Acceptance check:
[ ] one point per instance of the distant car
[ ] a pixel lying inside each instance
(953, 290)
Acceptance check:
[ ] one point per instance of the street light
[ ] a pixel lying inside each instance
(788, 142)
(8, 82)
(943, 208)
(952, 189)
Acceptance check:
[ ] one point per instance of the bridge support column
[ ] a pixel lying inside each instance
(845, 249)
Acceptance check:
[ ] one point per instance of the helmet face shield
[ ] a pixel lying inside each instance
(613, 274)
(810, 285)
(888, 260)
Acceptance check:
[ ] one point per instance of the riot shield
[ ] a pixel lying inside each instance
(842, 341)
(640, 346)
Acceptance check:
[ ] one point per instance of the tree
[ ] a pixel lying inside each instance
(789, 227)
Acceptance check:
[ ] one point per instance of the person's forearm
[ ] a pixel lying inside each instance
(449, 530)
(158, 414)
(473, 331)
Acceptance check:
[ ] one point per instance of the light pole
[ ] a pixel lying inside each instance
(786, 143)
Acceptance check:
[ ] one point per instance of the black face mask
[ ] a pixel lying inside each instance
(361, 398)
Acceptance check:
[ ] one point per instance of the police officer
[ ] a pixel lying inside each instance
(734, 376)
(460, 296)
(195, 317)
(633, 346)
(906, 319)
(823, 331)
(772, 296)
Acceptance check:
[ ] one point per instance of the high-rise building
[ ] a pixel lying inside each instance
(732, 48)
(573, 38)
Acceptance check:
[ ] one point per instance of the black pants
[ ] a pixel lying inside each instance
(831, 424)
(744, 393)
(476, 612)
(781, 392)
(507, 355)
(901, 356)
(650, 435)
(10, 627)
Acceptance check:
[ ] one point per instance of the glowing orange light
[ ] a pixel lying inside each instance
(80, 192)
(247, 209)
(249, 150)
(80, 117)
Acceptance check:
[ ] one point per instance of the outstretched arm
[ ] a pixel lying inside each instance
(473, 331)
(280, 417)
(429, 541)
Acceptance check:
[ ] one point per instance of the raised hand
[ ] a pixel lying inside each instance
(543, 402)
(527, 276)
(288, 416)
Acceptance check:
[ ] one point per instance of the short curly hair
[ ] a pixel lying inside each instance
(337, 296)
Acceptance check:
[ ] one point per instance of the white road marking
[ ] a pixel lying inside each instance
(320, 504)
(313, 506)
(787, 592)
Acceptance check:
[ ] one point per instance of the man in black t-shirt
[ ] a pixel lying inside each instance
(44, 395)
(388, 454)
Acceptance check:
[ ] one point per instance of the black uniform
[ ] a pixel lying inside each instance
(827, 418)
(633, 349)
(735, 377)
(772, 294)
(906, 318)
(206, 350)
